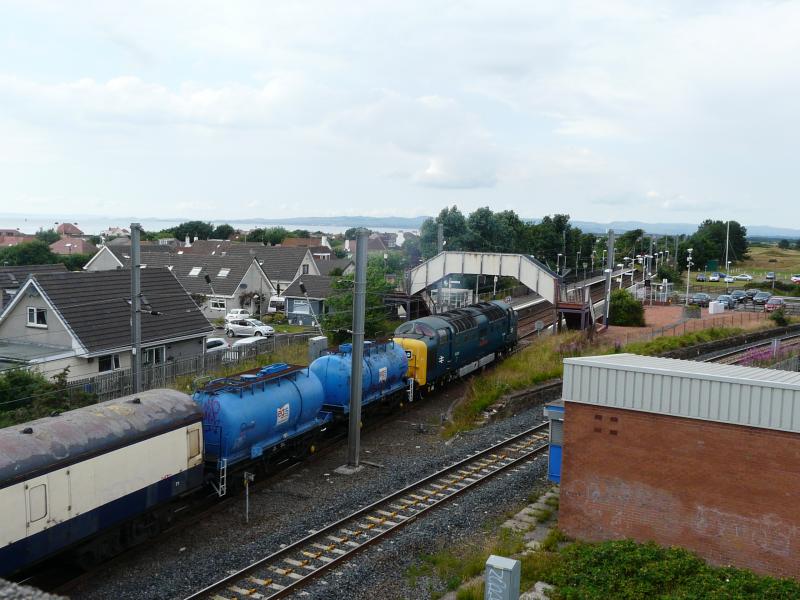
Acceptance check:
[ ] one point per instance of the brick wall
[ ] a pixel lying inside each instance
(728, 492)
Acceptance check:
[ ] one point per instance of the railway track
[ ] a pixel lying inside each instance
(731, 357)
(287, 570)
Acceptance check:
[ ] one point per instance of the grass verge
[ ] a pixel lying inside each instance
(663, 344)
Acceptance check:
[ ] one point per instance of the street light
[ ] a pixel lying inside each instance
(688, 274)
(594, 254)
(558, 263)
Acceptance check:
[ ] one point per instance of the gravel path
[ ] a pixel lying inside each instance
(288, 507)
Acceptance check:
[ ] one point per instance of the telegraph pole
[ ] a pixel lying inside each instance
(609, 270)
(359, 308)
(439, 250)
(136, 313)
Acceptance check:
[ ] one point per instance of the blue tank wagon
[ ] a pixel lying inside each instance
(249, 414)
(112, 468)
(384, 375)
(455, 343)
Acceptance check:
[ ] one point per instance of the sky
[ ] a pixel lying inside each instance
(610, 110)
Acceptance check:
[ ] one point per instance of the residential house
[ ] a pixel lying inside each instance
(12, 237)
(345, 265)
(375, 245)
(13, 277)
(82, 321)
(68, 229)
(116, 232)
(234, 280)
(118, 256)
(72, 245)
(305, 307)
(321, 253)
(309, 242)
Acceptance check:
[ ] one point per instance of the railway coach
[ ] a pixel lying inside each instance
(455, 343)
(112, 467)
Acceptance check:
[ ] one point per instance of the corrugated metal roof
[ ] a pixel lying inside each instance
(748, 396)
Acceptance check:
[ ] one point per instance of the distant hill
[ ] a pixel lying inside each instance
(369, 222)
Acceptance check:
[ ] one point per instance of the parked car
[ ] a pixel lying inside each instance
(248, 327)
(770, 276)
(774, 303)
(751, 293)
(761, 297)
(215, 344)
(700, 299)
(714, 277)
(701, 277)
(744, 277)
(727, 301)
(739, 295)
(276, 304)
(248, 341)
(237, 313)
(728, 279)
(795, 278)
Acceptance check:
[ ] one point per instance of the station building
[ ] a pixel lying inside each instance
(699, 455)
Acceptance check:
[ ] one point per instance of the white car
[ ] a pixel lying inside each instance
(237, 313)
(729, 279)
(248, 327)
(215, 344)
(248, 341)
(795, 278)
(714, 277)
(744, 277)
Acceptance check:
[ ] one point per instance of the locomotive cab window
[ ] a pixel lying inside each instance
(407, 328)
(423, 329)
(444, 335)
(37, 502)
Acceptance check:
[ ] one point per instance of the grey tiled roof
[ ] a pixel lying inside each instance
(14, 276)
(95, 307)
(317, 286)
(326, 266)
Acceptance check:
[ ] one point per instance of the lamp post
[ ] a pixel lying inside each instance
(577, 260)
(688, 274)
(558, 263)
(594, 254)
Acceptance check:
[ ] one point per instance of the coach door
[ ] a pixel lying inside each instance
(37, 505)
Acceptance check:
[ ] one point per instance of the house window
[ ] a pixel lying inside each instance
(153, 356)
(37, 317)
(217, 304)
(109, 362)
(223, 272)
(195, 271)
(301, 307)
(305, 269)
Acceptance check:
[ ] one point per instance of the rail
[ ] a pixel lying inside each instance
(286, 570)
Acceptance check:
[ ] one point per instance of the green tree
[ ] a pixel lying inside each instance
(625, 310)
(456, 232)
(199, 229)
(784, 244)
(223, 232)
(339, 316)
(48, 236)
(28, 253)
(275, 235)
(797, 244)
(413, 252)
(74, 262)
(352, 232)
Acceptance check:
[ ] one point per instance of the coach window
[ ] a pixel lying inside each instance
(37, 502)
(194, 443)
(37, 317)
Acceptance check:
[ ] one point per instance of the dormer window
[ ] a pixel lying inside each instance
(195, 271)
(223, 272)
(37, 317)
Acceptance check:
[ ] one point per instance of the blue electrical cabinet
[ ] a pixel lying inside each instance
(555, 413)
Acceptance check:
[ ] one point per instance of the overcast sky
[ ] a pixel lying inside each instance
(658, 111)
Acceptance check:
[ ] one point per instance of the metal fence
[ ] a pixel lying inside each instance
(108, 386)
(788, 364)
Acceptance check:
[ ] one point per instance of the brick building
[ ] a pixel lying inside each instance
(703, 456)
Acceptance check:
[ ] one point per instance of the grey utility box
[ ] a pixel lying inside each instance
(502, 578)
(316, 346)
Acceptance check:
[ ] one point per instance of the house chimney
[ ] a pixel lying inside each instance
(188, 242)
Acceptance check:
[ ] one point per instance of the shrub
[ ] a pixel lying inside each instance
(626, 310)
(779, 317)
(279, 318)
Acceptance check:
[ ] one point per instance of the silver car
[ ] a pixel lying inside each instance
(248, 328)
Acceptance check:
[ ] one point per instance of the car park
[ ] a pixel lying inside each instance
(248, 327)
(761, 298)
(795, 278)
(713, 277)
(701, 277)
(739, 296)
(770, 276)
(774, 304)
(744, 277)
(727, 301)
(751, 293)
(237, 313)
(700, 299)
